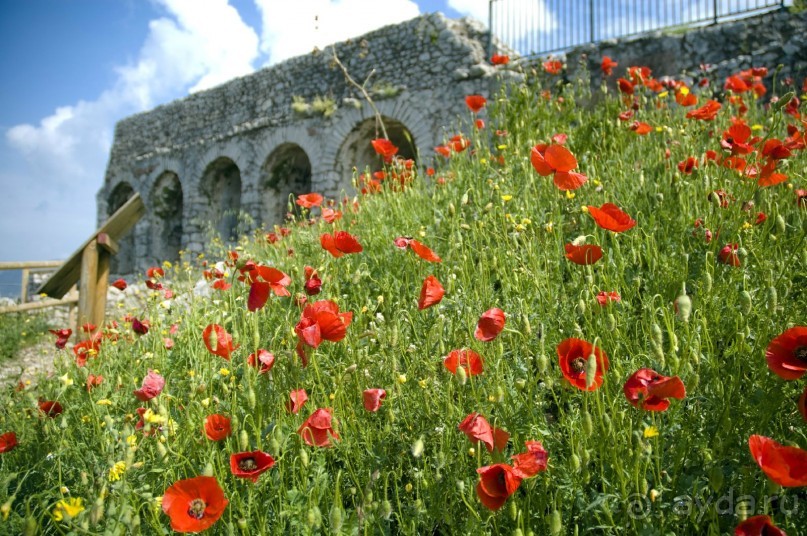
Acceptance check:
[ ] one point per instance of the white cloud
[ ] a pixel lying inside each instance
(293, 28)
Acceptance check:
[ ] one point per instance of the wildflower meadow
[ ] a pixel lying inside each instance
(585, 314)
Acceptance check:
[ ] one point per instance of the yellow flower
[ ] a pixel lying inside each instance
(483, 161)
(117, 471)
(684, 90)
(584, 209)
(501, 147)
(104, 402)
(757, 127)
(422, 383)
(659, 129)
(167, 265)
(650, 431)
(66, 380)
(70, 508)
(131, 440)
(570, 194)
(224, 372)
(747, 226)
(401, 378)
(153, 418)
(663, 94)
(526, 221)
(549, 226)
(507, 197)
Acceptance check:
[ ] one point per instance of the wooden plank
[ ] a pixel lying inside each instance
(101, 286)
(116, 226)
(29, 264)
(109, 245)
(87, 287)
(24, 285)
(37, 305)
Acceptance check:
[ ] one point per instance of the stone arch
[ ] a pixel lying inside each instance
(124, 262)
(357, 151)
(286, 172)
(165, 218)
(221, 188)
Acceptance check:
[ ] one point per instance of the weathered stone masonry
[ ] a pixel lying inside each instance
(241, 146)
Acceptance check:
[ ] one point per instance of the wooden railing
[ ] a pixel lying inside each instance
(27, 268)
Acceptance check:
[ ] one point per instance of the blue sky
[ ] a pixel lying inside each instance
(72, 68)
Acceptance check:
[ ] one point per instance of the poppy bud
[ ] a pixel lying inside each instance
(575, 462)
(606, 422)
(543, 363)
(610, 322)
(97, 511)
(745, 301)
(304, 457)
(251, 397)
(451, 210)
(243, 439)
(780, 224)
(242, 524)
(462, 376)
(658, 336)
(683, 305)
(527, 327)
(335, 518)
(581, 306)
(313, 517)
(386, 509)
(512, 510)
(208, 469)
(161, 451)
(742, 253)
(274, 446)
(772, 298)
(417, 448)
(555, 523)
(707, 282)
(464, 199)
(588, 426)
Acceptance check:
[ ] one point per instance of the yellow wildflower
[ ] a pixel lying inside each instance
(117, 471)
(570, 194)
(68, 507)
(650, 431)
(224, 371)
(66, 380)
(507, 197)
(104, 402)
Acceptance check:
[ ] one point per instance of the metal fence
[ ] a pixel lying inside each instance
(540, 27)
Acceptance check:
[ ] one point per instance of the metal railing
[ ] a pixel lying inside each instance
(539, 27)
(27, 268)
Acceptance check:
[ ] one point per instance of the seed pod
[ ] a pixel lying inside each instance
(335, 519)
(386, 509)
(555, 523)
(512, 510)
(208, 471)
(772, 298)
(707, 282)
(591, 370)
(251, 398)
(581, 306)
(610, 322)
(462, 376)
(313, 517)
(543, 363)
(683, 306)
(588, 426)
(242, 524)
(574, 460)
(518, 531)
(658, 336)
(745, 302)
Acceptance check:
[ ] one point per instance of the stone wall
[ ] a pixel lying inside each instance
(242, 146)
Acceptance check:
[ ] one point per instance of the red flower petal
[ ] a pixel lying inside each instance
(431, 293)
(490, 324)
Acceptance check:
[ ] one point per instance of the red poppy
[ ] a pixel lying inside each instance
(552, 66)
(499, 59)
(313, 284)
(250, 464)
(431, 293)
(475, 102)
(221, 284)
(155, 272)
(686, 98)
(607, 65)
(194, 504)
(583, 255)
(530, 463)
(496, 483)
(458, 143)
(558, 160)
(317, 429)
(611, 218)
(479, 124)
(218, 341)
(574, 357)
(604, 298)
(466, 359)
(62, 336)
(787, 466)
(787, 353)
(320, 321)
(340, 243)
(707, 112)
(50, 408)
(297, 400)
(443, 150)
(477, 428)
(8, 442)
(330, 215)
(141, 327)
(385, 149)
(217, 427)
(767, 175)
(151, 387)
(372, 398)
(263, 279)
(93, 381)
(641, 128)
(309, 200)
(728, 255)
(688, 165)
(649, 390)
(625, 86)
(421, 250)
(88, 327)
(119, 284)
(760, 525)
(490, 324)
(264, 359)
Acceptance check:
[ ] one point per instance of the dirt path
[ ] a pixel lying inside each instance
(28, 363)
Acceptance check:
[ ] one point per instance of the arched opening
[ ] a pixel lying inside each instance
(358, 152)
(221, 186)
(286, 172)
(165, 218)
(124, 262)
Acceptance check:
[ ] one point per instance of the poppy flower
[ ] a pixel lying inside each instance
(313, 284)
(88, 348)
(151, 387)
(8, 442)
(499, 59)
(641, 128)
(475, 102)
(93, 381)
(787, 353)
(611, 218)
(50, 408)
(574, 355)
(458, 143)
(340, 243)
(421, 250)
(155, 272)
(443, 150)
(217, 427)
(218, 341)
(119, 284)
(309, 200)
(685, 98)
(317, 428)
(552, 66)
(649, 390)
(687, 166)
(604, 298)
(728, 255)
(496, 483)
(477, 428)
(787, 466)
(558, 161)
(194, 504)
(607, 65)
(466, 359)
(221, 284)
(250, 464)
(583, 255)
(479, 124)
(385, 149)
(62, 336)
(431, 293)
(297, 400)
(530, 463)
(490, 324)
(626, 87)
(264, 359)
(372, 398)
(262, 280)
(330, 215)
(320, 321)
(141, 327)
(768, 176)
(707, 112)
(760, 525)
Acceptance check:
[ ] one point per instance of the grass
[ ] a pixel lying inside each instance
(500, 230)
(18, 331)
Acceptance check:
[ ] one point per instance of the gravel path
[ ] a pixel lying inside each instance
(29, 363)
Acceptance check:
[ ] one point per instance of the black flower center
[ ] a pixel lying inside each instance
(579, 365)
(247, 464)
(197, 509)
(801, 353)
